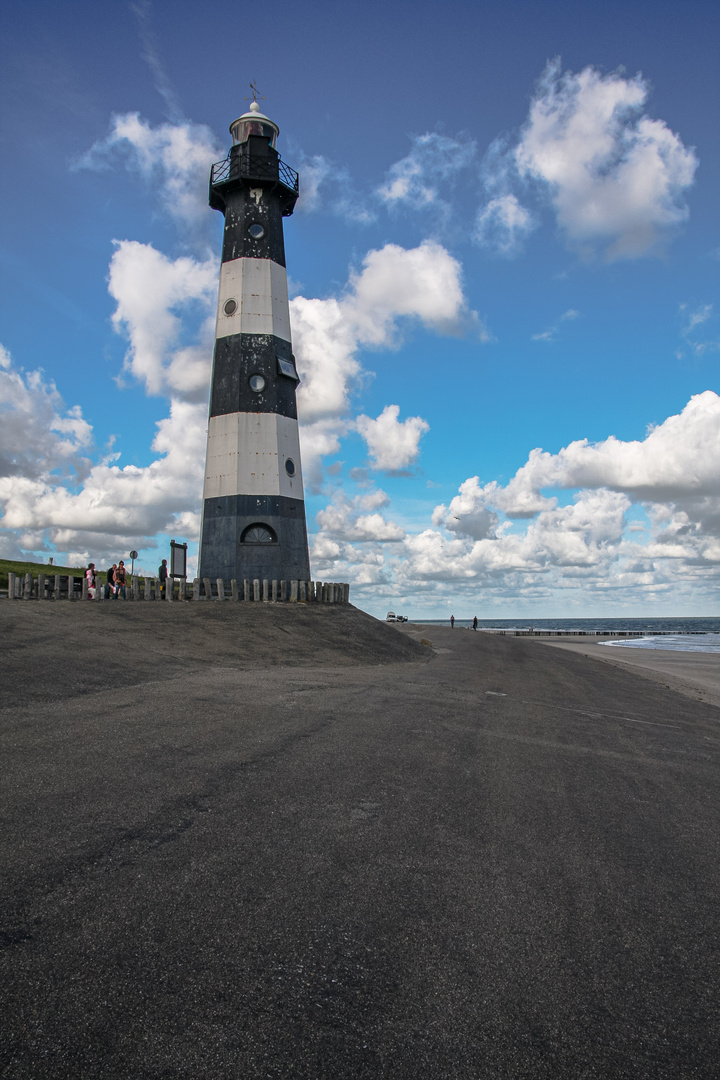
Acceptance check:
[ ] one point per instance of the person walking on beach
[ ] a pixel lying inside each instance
(452, 622)
(163, 576)
(120, 579)
(475, 623)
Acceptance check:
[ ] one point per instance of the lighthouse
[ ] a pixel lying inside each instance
(253, 522)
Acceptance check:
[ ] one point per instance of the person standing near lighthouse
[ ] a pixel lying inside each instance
(253, 523)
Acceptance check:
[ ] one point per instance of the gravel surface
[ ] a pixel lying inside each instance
(231, 855)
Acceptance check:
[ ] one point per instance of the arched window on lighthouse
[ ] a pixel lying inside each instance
(258, 534)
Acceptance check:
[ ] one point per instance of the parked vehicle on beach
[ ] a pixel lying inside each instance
(392, 617)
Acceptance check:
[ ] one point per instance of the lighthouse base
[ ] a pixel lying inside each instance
(254, 536)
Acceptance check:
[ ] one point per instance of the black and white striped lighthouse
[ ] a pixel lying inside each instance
(253, 505)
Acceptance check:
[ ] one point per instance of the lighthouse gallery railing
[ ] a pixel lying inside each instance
(251, 167)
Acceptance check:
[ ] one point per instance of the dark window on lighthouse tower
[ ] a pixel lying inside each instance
(258, 534)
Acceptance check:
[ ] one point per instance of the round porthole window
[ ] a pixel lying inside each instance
(289, 466)
(256, 231)
(230, 307)
(257, 383)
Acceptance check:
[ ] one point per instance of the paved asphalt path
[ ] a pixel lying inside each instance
(499, 861)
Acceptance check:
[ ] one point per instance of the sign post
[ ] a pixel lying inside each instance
(178, 566)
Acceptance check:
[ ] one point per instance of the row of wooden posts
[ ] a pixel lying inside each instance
(62, 586)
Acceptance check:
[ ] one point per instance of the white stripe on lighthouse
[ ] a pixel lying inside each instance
(246, 455)
(259, 289)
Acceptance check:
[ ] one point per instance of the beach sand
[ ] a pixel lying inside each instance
(249, 840)
(697, 675)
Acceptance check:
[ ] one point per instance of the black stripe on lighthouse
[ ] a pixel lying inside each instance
(237, 359)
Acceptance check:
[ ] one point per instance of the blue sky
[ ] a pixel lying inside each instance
(503, 266)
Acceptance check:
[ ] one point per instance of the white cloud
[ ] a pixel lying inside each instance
(678, 459)
(585, 535)
(392, 444)
(617, 178)
(552, 332)
(503, 224)
(160, 303)
(423, 283)
(325, 184)
(152, 293)
(346, 519)
(175, 157)
(695, 319)
(673, 472)
(419, 179)
(117, 505)
(395, 283)
(516, 541)
(38, 433)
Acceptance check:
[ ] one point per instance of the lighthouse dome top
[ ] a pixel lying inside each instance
(253, 122)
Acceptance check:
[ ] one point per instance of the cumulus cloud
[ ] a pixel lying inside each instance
(175, 157)
(523, 541)
(161, 302)
(503, 224)
(616, 178)
(678, 459)
(357, 519)
(117, 506)
(153, 293)
(392, 444)
(591, 542)
(416, 180)
(585, 534)
(394, 284)
(38, 433)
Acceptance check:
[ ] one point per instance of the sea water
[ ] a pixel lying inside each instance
(677, 635)
(704, 642)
